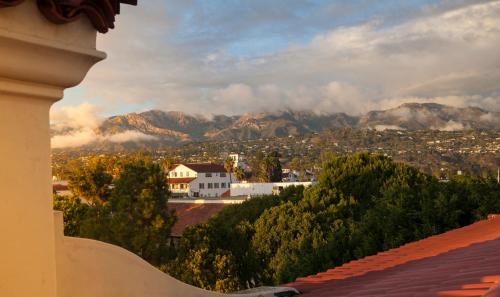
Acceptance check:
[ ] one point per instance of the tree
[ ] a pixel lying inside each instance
(270, 168)
(218, 255)
(239, 173)
(134, 214)
(74, 212)
(229, 164)
(91, 182)
(139, 219)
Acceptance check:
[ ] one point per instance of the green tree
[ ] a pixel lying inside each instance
(270, 168)
(218, 255)
(74, 212)
(239, 173)
(139, 219)
(91, 182)
(228, 164)
(134, 214)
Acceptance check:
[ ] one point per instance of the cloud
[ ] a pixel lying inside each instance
(74, 139)
(84, 115)
(76, 126)
(128, 136)
(387, 127)
(450, 126)
(444, 53)
(87, 136)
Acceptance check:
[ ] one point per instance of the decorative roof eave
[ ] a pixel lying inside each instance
(100, 12)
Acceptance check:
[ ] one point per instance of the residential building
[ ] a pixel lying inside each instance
(199, 180)
(239, 161)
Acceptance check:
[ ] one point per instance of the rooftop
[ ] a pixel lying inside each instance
(461, 262)
(180, 180)
(204, 167)
(192, 213)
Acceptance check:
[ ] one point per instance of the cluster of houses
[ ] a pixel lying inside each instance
(208, 180)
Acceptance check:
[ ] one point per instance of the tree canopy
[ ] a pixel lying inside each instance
(134, 214)
(362, 204)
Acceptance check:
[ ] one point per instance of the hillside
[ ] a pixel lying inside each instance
(155, 128)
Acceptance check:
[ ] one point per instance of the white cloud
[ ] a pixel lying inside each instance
(74, 139)
(128, 136)
(77, 126)
(84, 115)
(450, 126)
(387, 127)
(87, 136)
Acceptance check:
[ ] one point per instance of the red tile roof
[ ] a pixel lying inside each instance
(204, 167)
(461, 262)
(59, 187)
(181, 180)
(192, 213)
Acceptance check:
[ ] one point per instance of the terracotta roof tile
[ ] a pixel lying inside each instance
(204, 167)
(59, 187)
(192, 213)
(181, 180)
(461, 262)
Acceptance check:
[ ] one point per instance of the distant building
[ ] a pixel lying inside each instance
(60, 187)
(289, 175)
(239, 161)
(199, 180)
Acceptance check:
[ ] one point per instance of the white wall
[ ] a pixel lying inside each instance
(182, 171)
(216, 178)
(259, 189)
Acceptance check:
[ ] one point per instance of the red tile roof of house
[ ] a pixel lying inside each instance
(461, 262)
(180, 180)
(204, 167)
(192, 213)
(59, 187)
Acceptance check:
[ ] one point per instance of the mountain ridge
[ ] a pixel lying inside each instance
(174, 127)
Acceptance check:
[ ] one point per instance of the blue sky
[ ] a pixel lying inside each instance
(231, 57)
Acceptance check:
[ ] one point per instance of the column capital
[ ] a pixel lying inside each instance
(41, 59)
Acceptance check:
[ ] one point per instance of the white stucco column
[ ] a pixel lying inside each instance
(38, 60)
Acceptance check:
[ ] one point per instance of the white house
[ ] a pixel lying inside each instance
(199, 180)
(239, 161)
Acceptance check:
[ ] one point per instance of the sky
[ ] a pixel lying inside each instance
(232, 57)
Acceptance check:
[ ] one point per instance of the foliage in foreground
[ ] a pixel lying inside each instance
(361, 205)
(129, 210)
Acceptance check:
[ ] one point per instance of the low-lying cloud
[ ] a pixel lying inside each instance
(87, 136)
(76, 126)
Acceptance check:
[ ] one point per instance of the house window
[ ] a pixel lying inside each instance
(201, 186)
(208, 174)
(223, 185)
(187, 174)
(180, 174)
(210, 186)
(222, 174)
(175, 174)
(216, 185)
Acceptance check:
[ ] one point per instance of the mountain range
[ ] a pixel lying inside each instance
(157, 127)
